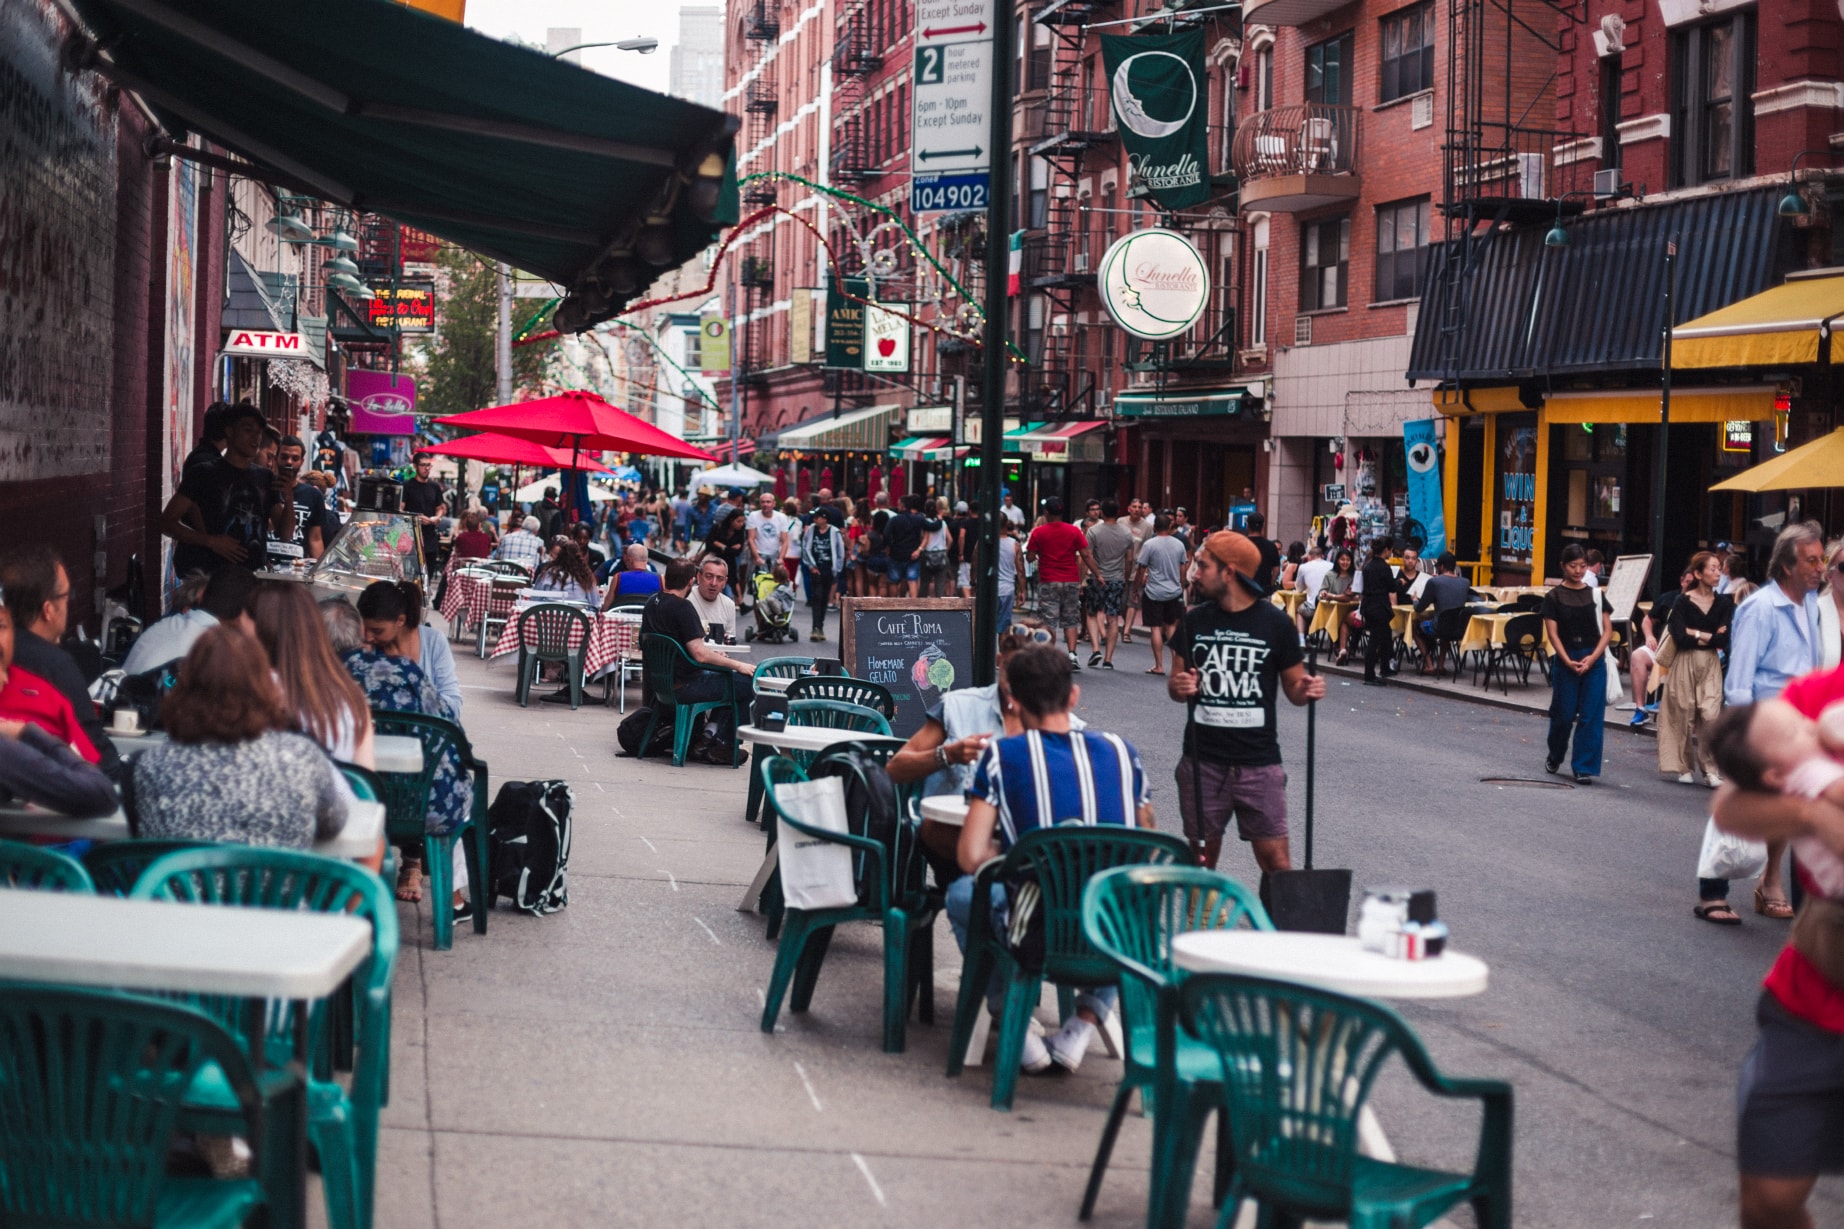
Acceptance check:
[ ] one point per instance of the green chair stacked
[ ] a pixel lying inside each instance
(1131, 915)
(406, 802)
(907, 918)
(1061, 861)
(861, 692)
(115, 866)
(1297, 1066)
(342, 1126)
(663, 656)
(552, 631)
(91, 1086)
(29, 866)
(783, 667)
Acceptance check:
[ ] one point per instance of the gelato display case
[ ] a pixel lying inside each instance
(370, 547)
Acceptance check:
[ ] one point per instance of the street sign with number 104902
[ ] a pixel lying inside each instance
(950, 153)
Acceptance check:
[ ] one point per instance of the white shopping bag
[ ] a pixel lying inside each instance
(1726, 856)
(815, 874)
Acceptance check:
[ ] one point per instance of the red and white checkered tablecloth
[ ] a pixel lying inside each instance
(611, 636)
(473, 596)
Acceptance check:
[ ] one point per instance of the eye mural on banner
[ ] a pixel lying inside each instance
(1159, 93)
(1154, 283)
(1423, 454)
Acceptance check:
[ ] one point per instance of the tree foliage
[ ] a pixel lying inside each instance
(459, 372)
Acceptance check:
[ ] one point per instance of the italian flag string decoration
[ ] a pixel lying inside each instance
(1014, 264)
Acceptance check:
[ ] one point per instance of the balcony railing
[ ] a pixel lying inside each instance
(1307, 138)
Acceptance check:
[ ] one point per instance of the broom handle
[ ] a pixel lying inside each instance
(1312, 713)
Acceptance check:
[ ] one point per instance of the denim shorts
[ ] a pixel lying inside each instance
(906, 571)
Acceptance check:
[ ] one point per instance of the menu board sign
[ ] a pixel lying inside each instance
(916, 648)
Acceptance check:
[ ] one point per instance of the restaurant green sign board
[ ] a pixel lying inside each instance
(1214, 405)
(845, 321)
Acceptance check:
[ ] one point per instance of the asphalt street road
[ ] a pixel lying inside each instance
(1619, 1018)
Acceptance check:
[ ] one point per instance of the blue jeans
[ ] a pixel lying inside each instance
(1005, 612)
(960, 909)
(709, 685)
(1580, 699)
(901, 572)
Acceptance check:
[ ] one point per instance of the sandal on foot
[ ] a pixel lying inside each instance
(1155, 670)
(1717, 912)
(1768, 906)
(410, 882)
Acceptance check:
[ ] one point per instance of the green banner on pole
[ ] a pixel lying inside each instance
(845, 322)
(1157, 84)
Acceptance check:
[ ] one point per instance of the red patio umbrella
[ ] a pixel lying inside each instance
(575, 421)
(510, 450)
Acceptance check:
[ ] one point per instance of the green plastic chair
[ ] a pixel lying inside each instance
(1130, 915)
(91, 1084)
(1061, 860)
(342, 1125)
(783, 667)
(838, 715)
(1297, 1067)
(908, 919)
(115, 866)
(662, 655)
(861, 692)
(406, 802)
(30, 866)
(552, 631)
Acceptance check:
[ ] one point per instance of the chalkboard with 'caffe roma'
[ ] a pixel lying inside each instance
(918, 649)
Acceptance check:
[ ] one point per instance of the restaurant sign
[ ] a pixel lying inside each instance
(1154, 283)
(1198, 405)
(1738, 436)
(409, 306)
(253, 343)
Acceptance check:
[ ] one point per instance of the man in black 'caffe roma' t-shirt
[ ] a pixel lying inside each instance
(226, 509)
(1232, 655)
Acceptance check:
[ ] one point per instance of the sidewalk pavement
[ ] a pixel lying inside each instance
(604, 1066)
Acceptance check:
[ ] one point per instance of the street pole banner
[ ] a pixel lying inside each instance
(1159, 98)
(1424, 467)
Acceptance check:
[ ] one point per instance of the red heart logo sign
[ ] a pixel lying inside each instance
(886, 346)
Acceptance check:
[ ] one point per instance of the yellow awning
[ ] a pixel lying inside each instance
(1807, 467)
(1776, 327)
(1754, 403)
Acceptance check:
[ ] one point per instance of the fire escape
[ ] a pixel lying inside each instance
(756, 269)
(1498, 167)
(1071, 119)
(854, 58)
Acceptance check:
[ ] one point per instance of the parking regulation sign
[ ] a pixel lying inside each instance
(951, 98)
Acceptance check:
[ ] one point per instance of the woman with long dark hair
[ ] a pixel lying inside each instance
(393, 616)
(569, 575)
(1692, 693)
(328, 705)
(727, 539)
(1337, 587)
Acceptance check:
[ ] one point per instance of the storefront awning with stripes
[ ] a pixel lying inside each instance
(866, 430)
(1062, 442)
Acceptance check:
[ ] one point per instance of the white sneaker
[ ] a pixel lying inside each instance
(1713, 778)
(1036, 1058)
(1069, 1043)
(1685, 778)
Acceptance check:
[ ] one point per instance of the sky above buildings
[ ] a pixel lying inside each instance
(600, 22)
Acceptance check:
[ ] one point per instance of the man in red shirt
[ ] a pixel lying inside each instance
(1791, 1103)
(1063, 559)
(27, 697)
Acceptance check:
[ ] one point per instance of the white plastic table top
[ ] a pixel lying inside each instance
(775, 684)
(73, 939)
(796, 737)
(950, 809)
(358, 839)
(1329, 962)
(734, 649)
(398, 752)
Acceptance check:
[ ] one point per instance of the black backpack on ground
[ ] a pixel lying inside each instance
(528, 846)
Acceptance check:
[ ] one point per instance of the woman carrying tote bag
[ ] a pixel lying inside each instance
(1698, 630)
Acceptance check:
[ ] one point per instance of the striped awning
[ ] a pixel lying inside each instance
(917, 447)
(1061, 442)
(946, 452)
(866, 430)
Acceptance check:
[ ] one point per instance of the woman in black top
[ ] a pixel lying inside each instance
(1699, 628)
(1578, 622)
(726, 542)
(1377, 611)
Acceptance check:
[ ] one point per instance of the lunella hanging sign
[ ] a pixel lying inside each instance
(1154, 283)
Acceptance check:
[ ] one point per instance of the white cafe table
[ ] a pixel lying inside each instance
(949, 809)
(1337, 963)
(794, 738)
(358, 839)
(72, 939)
(776, 684)
(735, 650)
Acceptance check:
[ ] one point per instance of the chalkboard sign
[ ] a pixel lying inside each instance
(917, 648)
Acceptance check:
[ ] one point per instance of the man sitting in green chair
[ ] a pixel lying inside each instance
(1046, 775)
(670, 613)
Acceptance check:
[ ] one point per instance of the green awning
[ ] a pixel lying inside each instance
(1189, 403)
(379, 107)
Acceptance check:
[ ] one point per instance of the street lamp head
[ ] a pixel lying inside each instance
(644, 45)
(1557, 237)
(289, 228)
(1792, 205)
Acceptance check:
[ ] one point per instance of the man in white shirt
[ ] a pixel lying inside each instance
(767, 529)
(1011, 512)
(1597, 562)
(170, 639)
(708, 597)
(1310, 578)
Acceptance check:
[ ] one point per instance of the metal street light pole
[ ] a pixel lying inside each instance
(992, 397)
(1664, 424)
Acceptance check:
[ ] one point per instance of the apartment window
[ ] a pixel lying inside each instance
(1039, 214)
(1017, 195)
(1402, 249)
(1258, 288)
(1036, 309)
(1612, 68)
(1021, 45)
(1328, 71)
(1325, 261)
(1042, 53)
(1264, 78)
(1408, 53)
(1712, 125)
